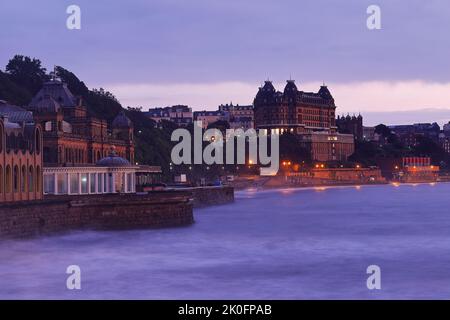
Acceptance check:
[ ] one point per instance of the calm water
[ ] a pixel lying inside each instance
(295, 244)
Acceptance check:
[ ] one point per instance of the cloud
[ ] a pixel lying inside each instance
(350, 97)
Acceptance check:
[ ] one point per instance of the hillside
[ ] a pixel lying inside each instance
(24, 76)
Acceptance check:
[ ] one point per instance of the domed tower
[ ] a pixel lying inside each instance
(325, 94)
(113, 160)
(265, 104)
(290, 92)
(56, 91)
(265, 94)
(122, 127)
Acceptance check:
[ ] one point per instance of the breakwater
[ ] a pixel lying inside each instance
(100, 212)
(211, 196)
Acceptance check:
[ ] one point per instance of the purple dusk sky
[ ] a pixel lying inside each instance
(204, 52)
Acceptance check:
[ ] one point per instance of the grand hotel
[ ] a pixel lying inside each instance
(309, 115)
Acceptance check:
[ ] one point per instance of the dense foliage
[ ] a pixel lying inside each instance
(24, 76)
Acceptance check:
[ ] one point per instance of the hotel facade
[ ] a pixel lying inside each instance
(71, 135)
(21, 154)
(310, 116)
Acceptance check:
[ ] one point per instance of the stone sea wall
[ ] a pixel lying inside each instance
(104, 212)
(211, 196)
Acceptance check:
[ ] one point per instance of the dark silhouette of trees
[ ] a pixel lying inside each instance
(27, 73)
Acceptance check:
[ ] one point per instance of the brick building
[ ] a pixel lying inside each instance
(209, 117)
(240, 117)
(179, 114)
(71, 136)
(409, 135)
(351, 124)
(20, 155)
(307, 114)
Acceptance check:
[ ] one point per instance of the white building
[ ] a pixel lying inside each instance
(112, 174)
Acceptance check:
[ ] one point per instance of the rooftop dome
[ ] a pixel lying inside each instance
(325, 93)
(268, 87)
(47, 104)
(113, 160)
(58, 91)
(290, 91)
(266, 91)
(290, 87)
(122, 121)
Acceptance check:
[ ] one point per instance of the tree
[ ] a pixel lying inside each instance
(291, 149)
(27, 73)
(428, 148)
(13, 93)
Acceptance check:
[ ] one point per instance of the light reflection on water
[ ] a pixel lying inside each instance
(296, 243)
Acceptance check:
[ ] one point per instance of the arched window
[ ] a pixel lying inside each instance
(30, 179)
(38, 141)
(1, 177)
(1, 138)
(16, 179)
(23, 179)
(38, 179)
(98, 156)
(8, 179)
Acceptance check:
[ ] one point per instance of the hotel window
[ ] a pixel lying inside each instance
(92, 183)
(105, 183)
(62, 183)
(129, 182)
(23, 178)
(111, 187)
(30, 179)
(49, 183)
(84, 183)
(100, 182)
(16, 179)
(74, 179)
(38, 179)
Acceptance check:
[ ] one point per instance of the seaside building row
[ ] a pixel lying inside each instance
(309, 115)
(53, 146)
(239, 117)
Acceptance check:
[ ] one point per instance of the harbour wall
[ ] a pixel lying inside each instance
(100, 212)
(212, 196)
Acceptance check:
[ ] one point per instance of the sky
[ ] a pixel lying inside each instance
(206, 52)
